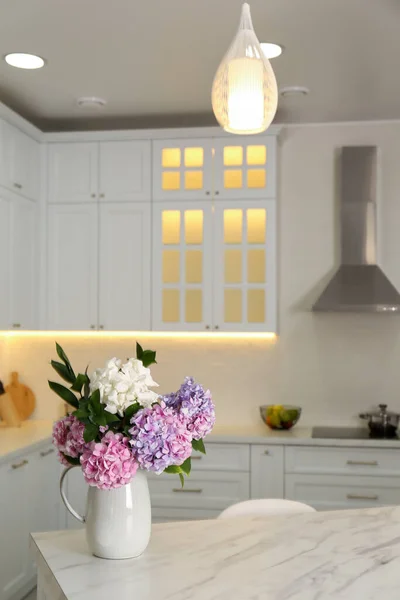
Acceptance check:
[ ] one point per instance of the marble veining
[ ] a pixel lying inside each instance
(344, 555)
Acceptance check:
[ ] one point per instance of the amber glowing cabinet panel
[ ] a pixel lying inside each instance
(214, 266)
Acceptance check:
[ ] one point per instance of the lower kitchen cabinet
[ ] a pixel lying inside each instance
(267, 471)
(29, 502)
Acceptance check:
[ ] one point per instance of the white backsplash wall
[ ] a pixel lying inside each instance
(333, 365)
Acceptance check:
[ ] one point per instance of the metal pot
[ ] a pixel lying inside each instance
(382, 424)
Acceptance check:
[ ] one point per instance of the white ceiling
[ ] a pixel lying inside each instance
(154, 60)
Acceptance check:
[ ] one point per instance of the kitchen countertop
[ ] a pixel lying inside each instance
(298, 436)
(344, 555)
(31, 434)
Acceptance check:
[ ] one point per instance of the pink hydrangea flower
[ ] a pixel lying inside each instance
(160, 438)
(109, 464)
(68, 438)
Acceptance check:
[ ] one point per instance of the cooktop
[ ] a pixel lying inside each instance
(345, 433)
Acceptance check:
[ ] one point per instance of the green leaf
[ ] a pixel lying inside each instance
(181, 477)
(72, 461)
(86, 387)
(64, 393)
(62, 371)
(96, 409)
(81, 413)
(139, 351)
(65, 359)
(79, 382)
(131, 410)
(95, 398)
(187, 466)
(90, 433)
(173, 469)
(148, 358)
(110, 418)
(198, 445)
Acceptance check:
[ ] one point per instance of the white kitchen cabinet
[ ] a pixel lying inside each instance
(44, 508)
(23, 261)
(182, 266)
(244, 262)
(15, 567)
(233, 167)
(182, 169)
(267, 471)
(125, 266)
(125, 171)
(5, 267)
(20, 161)
(73, 172)
(72, 267)
(245, 167)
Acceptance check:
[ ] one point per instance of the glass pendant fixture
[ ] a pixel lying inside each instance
(244, 91)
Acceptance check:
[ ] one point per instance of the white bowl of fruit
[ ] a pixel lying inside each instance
(280, 416)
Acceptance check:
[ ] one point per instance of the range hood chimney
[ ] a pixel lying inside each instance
(359, 284)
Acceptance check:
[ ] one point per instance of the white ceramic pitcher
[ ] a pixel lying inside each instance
(118, 522)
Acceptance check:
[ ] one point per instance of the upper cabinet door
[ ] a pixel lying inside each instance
(23, 255)
(245, 266)
(182, 169)
(72, 266)
(125, 171)
(21, 155)
(182, 267)
(245, 167)
(72, 172)
(5, 270)
(125, 266)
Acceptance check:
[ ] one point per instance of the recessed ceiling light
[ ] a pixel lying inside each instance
(91, 102)
(24, 61)
(294, 90)
(271, 50)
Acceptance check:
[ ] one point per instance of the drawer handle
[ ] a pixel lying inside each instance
(47, 452)
(19, 465)
(364, 463)
(356, 497)
(266, 452)
(18, 186)
(187, 490)
(196, 457)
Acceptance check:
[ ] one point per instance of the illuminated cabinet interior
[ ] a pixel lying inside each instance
(225, 168)
(214, 266)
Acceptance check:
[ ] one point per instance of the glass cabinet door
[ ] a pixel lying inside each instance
(244, 167)
(244, 266)
(182, 267)
(182, 169)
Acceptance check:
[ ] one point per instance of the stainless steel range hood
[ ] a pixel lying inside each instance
(359, 284)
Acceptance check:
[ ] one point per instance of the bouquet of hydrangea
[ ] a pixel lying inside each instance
(118, 424)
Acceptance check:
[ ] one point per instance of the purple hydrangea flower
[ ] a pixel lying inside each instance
(195, 405)
(68, 438)
(160, 438)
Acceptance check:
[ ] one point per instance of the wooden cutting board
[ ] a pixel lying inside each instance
(22, 397)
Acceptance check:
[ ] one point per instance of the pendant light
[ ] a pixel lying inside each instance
(244, 91)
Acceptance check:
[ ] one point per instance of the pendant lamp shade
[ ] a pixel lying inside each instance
(244, 91)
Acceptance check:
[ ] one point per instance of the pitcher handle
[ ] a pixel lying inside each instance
(65, 499)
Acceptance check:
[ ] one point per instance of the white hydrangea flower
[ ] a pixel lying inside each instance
(121, 385)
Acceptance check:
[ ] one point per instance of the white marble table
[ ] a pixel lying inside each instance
(346, 555)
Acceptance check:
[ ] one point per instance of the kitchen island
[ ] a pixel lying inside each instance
(346, 555)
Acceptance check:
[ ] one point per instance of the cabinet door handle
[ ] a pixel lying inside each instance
(356, 497)
(16, 325)
(47, 452)
(102, 195)
(207, 327)
(19, 465)
(267, 452)
(196, 457)
(187, 491)
(93, 327)
(207, 193)
(18, 186)
(93, 195)
(217, 193)
(364, 463)
(101, 326)
(216, 327)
